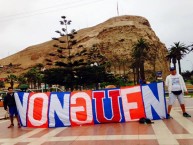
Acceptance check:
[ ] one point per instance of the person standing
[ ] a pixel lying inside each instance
(176, 89)
(9, 104)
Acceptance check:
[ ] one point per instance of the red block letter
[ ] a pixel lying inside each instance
(132, 103)
(38, 110)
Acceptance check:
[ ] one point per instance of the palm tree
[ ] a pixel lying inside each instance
(33, 76)
(153, 57)
(178, 51)
(11, 78)
(22, 82)
(139, 55)
(191, 47)
(135, 71)
(21, 79)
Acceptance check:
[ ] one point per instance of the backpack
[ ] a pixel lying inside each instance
(144, 120)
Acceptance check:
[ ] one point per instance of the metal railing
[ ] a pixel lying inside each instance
(50, 89)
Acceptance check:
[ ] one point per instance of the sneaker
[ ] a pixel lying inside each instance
(168, 116)
(10, 126)
(186, 114)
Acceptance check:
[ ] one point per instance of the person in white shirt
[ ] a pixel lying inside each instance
(176, 89)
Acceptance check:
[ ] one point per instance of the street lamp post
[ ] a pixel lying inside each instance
(95, 64)
(43, 71)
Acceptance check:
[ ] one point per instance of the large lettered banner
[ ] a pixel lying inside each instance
(62, 109)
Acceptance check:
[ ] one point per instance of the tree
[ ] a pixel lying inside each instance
(178, 51)
(11, 79)
(187, 75)
(152, 59)
(135, 69)
(21, 79)
(39, 66)
(65, 42)
(64, 45)
(33, 76)
(56, 76)
(139, 54)
(2, 85)
(95, 56)
(93, 75)
(191, 47)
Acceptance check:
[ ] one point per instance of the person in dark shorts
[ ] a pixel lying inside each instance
(9, 104)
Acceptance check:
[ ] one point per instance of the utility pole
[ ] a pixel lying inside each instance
(117, 9)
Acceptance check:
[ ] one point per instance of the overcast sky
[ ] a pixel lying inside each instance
(24, 23)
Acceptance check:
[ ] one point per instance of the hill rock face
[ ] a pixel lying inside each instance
(115, 39)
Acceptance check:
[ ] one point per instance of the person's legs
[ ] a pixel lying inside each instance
(171, 101)
(11, 114)
(182, 105)
(183, 108)
(169, 108)
(17, 117)
(184, 111)
(11, 119)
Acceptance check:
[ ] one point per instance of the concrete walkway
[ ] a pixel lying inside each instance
(176, 131)
(3, 113)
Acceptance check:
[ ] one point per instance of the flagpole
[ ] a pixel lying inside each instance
(117, 9)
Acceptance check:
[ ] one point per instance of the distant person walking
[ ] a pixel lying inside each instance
(9, 104)
(176, 89)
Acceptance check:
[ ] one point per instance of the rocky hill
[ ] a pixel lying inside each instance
(115, 38)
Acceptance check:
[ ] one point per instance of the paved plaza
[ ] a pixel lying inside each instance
(176, 131)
